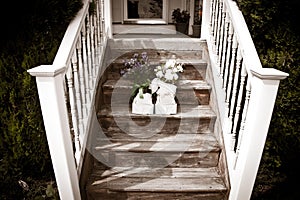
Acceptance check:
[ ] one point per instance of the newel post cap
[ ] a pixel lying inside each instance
(269, 74)
(46, 71)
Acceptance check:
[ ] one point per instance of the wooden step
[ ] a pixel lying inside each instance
(166, 183)
(194, 92)
(190, 119)
(160, 157)
(194, 69)
(180, 150)
(114, 134)
(166, 44)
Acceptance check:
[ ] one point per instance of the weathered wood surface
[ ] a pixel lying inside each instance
(168, 183)
(188, 92)
(176, 158)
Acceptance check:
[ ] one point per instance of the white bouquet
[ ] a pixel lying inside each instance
(169, 71)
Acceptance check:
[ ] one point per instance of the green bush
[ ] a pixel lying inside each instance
(30, 38)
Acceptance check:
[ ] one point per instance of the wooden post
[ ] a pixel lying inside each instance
(50, 86)
(264, 86)
(107, 18)
(205, 24)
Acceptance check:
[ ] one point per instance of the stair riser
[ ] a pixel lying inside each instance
(160, 159)
(156, 54)
(162, 44)
(184, 97)
(191, 71)
(170, 126)
(111, 195)
(118, 136)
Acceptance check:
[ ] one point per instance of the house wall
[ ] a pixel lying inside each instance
(118, 9)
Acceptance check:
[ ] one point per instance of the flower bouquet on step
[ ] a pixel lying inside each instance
(139, 71)
(164, 88)
(154, 88)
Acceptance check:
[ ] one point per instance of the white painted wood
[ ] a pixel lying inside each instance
(191, 11)
(227, 62)
(65, 51)
(82, 80)
(49, 81)
(230, 72)
(218, 31)
(71, 80)
(264, 85)
(226, 44)
(234, 105)
(74, 114)
(107, 18)
(243, 158)
(77, 93)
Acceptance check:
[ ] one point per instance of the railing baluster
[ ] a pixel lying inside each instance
(73, 108)
(94, 47)
(81, 79)
(244, 114)
(226, 43)
(98, 22)
(77, 91)
(102, 19)
(221, 45)
(215, 22)
(89, 55)
(85, 65)
(233, 95)
(229, 56)
(211, 17)
(231, 73)
(219, 27)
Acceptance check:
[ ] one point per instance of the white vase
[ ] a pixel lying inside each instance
(166, 92)
(142, 103)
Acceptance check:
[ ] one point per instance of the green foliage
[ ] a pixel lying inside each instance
(31, 38)
(276, 36)
(180, 16)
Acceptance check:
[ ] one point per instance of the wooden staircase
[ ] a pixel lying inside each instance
(157, 156)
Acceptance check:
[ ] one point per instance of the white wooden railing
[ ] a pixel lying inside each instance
(67, 92)
(245, 91)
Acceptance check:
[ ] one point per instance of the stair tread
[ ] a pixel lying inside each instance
(158, 180)
(158, 60)
(179, 143)
(193, 111)
(205, 135)
(182, 84)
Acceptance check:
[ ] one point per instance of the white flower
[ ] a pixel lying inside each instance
(169, 75)
(170, 63)
(159, 74)
(169, 71)
(175, 76)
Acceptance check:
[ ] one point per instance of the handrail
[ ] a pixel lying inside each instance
(245, 91)
(68, 43)
(67, 90)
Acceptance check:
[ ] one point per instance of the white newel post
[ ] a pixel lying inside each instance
(205, 24)
(108, 17)
(50, 80)
(264, 86)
